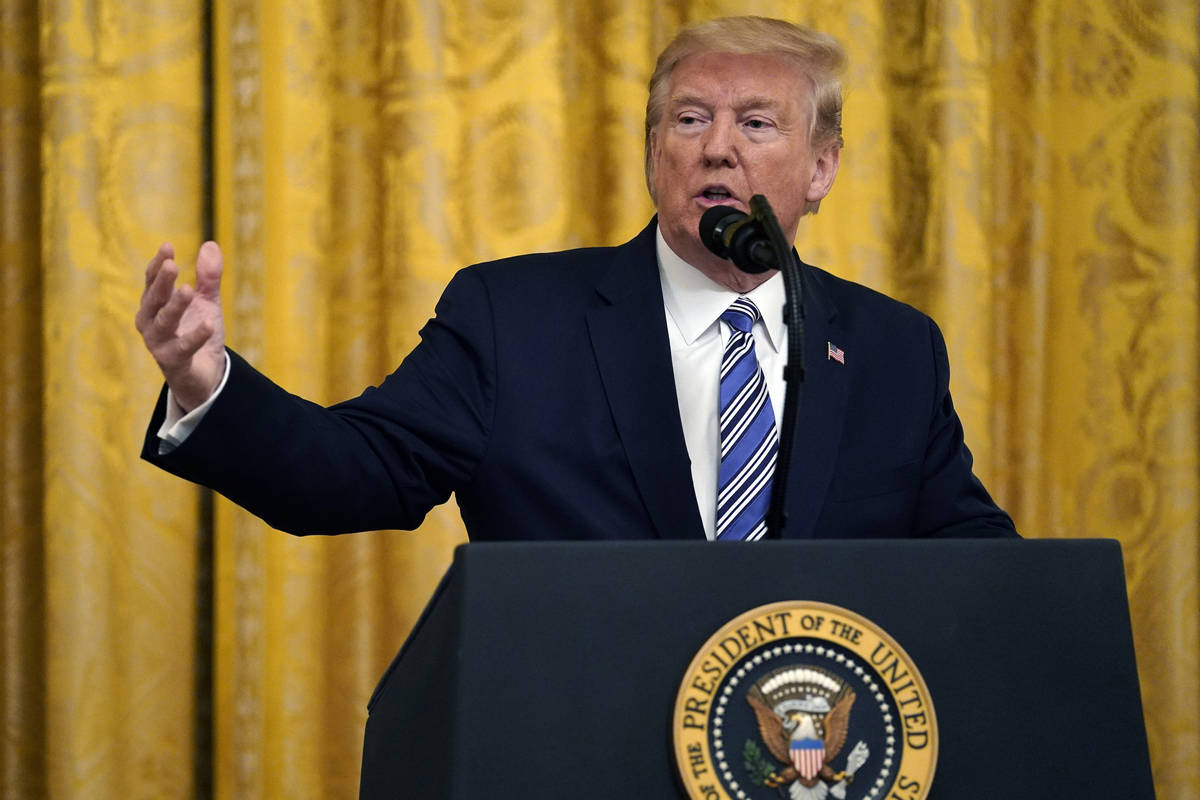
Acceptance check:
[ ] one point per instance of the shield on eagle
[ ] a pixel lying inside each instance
(807, 751)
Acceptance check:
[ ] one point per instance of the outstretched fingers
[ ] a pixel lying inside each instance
(182, 327)
(160, 288)
(161, 312)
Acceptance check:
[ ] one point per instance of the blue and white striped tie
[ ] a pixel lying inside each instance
(749, 441)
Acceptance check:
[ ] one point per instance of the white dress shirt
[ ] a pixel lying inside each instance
(694, 305)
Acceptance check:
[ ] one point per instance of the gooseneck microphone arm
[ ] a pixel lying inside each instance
(755, 242)
(793, 373)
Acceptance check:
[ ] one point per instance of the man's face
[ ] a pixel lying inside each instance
(734, 126)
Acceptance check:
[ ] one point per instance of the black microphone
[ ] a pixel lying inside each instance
(739, 237)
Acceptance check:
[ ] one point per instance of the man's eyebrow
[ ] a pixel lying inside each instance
(758, 101)
(751, 102)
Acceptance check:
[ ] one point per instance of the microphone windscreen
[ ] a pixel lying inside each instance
(713, 225)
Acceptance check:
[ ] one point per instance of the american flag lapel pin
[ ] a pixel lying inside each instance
(836, 353)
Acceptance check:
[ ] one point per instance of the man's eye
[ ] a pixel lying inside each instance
(757, 124)
(688, 119)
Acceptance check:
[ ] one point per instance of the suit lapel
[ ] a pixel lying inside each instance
(629, 339)
(822, 411)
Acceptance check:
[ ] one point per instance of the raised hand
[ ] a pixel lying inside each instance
(183, 328)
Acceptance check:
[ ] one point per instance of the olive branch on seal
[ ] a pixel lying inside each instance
(758, 767)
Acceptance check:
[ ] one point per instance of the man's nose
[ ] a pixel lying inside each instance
(719, 146)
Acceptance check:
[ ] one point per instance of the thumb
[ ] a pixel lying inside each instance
(209, 264)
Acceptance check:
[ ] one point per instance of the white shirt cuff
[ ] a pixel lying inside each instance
(178, 426)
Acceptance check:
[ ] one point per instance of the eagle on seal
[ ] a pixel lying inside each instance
(795, 737)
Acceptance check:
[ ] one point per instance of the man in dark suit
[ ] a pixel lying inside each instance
(577, 395)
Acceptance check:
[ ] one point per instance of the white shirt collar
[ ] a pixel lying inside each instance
(696, 303)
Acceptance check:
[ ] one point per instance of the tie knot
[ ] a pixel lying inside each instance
(741, 314)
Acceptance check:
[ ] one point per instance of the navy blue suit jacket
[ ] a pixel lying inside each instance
(542, 395)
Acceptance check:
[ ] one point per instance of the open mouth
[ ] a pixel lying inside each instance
(718, 195)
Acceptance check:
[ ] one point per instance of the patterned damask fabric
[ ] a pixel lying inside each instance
(100, 110)
(1027, 172)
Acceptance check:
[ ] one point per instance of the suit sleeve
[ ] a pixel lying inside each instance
(381, 460)
(952, 502)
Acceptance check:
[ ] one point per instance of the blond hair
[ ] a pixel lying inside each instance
(817, 55)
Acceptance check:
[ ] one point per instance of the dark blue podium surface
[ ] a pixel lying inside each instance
(551, 670)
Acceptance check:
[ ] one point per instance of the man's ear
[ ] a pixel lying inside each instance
(825, 170)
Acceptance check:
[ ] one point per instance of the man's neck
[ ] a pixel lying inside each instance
(718, 270)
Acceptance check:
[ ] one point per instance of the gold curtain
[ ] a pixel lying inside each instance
(1026, 172)
(100, 147)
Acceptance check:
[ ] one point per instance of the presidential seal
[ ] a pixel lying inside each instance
(804, 701)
